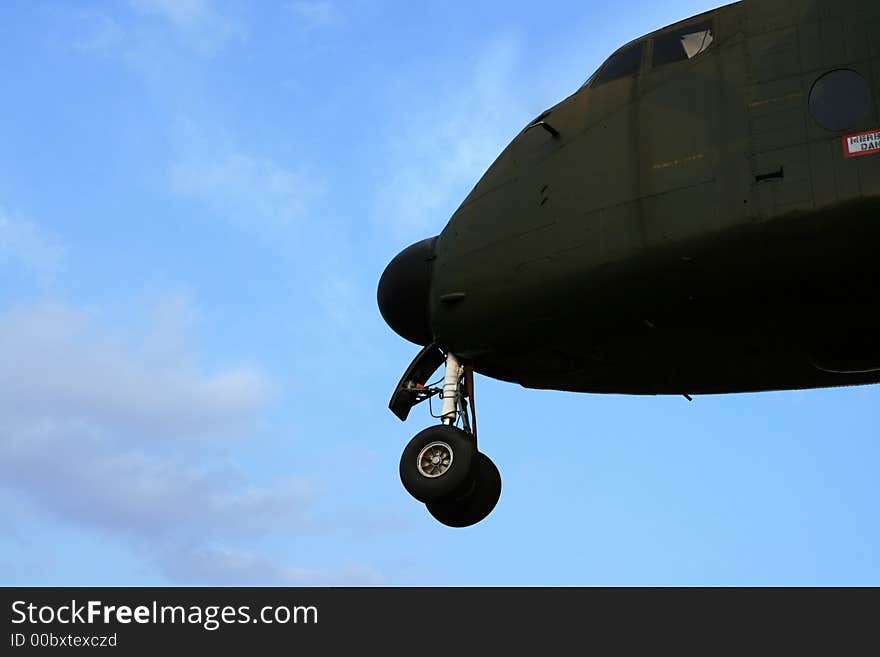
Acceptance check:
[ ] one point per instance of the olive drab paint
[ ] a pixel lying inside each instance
(686, 222)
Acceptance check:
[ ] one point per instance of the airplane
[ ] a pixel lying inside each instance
(701, 217)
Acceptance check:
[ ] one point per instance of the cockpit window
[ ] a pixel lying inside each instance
(683, 43)
(623, 63)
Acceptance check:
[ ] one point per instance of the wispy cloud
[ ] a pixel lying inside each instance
(212, 566)
(55, 363)
(98, 432)
(97, 32)
(182, 14)
(26, 244)
(84, 418)
(83, 474)
(252, 189)
(312, 14)
(450, 132)
(201, 25)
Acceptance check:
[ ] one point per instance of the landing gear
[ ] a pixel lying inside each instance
(438, 463)
(474, 505)
(441, 465)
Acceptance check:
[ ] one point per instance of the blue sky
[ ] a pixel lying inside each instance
(197, 198)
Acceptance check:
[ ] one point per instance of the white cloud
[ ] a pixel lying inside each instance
(201, 25)
(181, 13)
(213, 566)
(26, 244)
(55, 363)
(254, 189)
(97, 32)
(85, 419)
(451, 125)
(82, 475)
(450, 130)
(316, 13)
(95, 430)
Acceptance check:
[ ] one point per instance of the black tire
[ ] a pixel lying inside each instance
(475, 504)
(453, 481)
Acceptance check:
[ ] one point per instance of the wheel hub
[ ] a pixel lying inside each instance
(435, 460)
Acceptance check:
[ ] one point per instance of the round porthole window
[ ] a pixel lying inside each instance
(840, 99)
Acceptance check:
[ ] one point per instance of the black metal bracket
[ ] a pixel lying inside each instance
(543, 124)
(773, 175)
(411, 389)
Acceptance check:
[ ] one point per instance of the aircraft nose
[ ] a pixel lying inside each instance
(404, 292)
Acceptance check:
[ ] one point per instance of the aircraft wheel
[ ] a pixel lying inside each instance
(438, 463)
(474, 505)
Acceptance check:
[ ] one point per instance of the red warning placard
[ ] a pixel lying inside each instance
(864, 143)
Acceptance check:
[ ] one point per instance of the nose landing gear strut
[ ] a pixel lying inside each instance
(441, 466)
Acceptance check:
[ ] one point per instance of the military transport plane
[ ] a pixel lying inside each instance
(702, 216)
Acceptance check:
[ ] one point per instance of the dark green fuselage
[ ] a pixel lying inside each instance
(688, 228)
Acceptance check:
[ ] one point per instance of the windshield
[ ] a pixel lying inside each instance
(626, 61)
(683, 43)
(676, 45)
